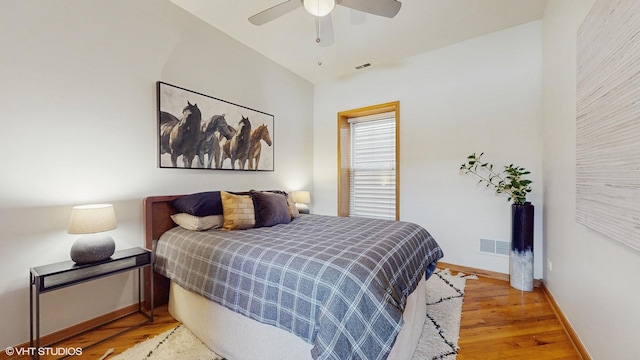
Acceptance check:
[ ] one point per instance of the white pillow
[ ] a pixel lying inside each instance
(191, 222)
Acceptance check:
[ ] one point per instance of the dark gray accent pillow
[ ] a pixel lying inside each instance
(199, 204)
(270, 208)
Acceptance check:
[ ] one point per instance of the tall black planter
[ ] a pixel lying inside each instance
(521, 259)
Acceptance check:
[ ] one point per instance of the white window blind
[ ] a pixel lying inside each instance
(373, 166)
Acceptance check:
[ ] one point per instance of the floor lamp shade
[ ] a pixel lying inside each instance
(91, 221)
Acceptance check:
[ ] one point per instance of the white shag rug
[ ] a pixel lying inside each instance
(176, 344)
(439, 338)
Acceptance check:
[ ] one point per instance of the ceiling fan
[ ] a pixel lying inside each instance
(321, 9)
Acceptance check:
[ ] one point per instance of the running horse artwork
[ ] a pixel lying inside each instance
(213, 131)
(261, 133)
(202, 129)
(167, 122)
(240, 143)
(185, 136)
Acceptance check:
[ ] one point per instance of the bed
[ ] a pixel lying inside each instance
(317, 287)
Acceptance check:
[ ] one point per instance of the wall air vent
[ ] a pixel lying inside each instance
(495, 247)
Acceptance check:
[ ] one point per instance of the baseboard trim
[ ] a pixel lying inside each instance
(566, 325)
(484, 273)
(76, 329)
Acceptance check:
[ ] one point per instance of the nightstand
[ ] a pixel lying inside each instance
(56, 276)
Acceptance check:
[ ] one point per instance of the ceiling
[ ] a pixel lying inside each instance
(420, 26)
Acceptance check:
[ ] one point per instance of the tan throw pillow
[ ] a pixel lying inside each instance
(293, 210)
(238, 211)
(197, 223)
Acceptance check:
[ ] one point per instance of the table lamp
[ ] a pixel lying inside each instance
(92, 221)
(302, 198)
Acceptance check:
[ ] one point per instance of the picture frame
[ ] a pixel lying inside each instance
(198, 131)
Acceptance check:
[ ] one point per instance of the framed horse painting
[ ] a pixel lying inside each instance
(202, 132)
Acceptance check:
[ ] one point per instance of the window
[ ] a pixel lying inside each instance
(368, 162)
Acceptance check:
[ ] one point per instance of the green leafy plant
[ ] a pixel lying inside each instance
(508, 181)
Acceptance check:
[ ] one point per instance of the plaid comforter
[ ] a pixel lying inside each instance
(340, 284)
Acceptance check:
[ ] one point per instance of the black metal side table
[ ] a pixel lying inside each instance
(56, 276)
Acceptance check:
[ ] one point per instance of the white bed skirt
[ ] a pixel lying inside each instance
(237, 337)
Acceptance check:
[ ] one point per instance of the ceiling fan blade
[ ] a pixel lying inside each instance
(324, 31)
(386, 8)
(274, 12)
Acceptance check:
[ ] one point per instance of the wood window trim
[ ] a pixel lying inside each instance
(344, 152)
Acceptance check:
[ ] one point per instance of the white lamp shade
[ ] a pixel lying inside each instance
(90, 219)
(319, 7)
(302, 197)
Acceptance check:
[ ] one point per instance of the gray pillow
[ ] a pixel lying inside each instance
(270, 208)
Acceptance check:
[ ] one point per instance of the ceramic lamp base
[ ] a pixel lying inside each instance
(92, 248)
(302, 208)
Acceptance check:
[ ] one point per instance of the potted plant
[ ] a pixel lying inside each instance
(511, 182)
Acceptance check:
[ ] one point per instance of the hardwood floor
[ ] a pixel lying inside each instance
(162, 322)
(498, 322)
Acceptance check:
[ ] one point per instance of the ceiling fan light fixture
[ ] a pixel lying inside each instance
(319, 7)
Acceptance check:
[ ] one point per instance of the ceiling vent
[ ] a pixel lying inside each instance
(363, 66)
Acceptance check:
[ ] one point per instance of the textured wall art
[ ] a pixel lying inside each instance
(608, 121)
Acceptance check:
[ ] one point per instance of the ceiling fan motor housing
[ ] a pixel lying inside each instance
(319, 7)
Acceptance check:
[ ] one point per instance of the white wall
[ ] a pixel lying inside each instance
(594, 279)
(79, 126)
(481, 95)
